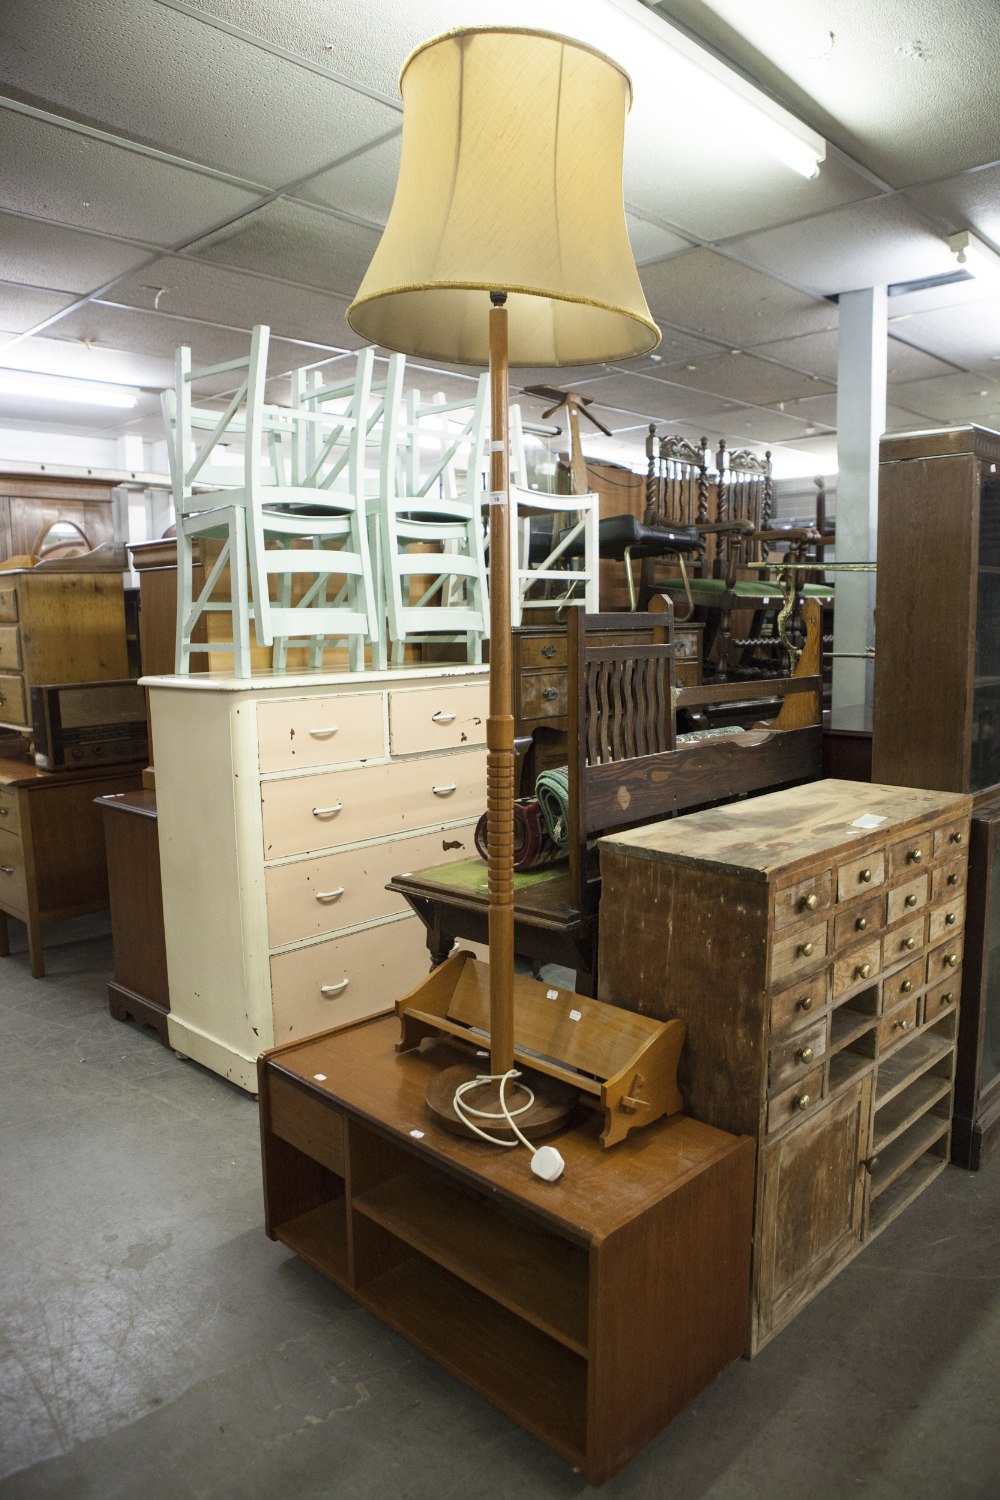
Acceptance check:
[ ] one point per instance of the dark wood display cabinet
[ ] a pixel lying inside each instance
(976, 1128)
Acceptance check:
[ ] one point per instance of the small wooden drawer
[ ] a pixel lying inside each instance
(859, 967)
(542, 695)
(941, 999)
(947, 919)
(795, 1006)
(897, 1025)
(802, 899)
(543, 650)
(795, 1103)
(803, 950)
(951, 837)
(911, 853)
(903, 942)
(332, 808)
(310, 897)
(793, 1058)
(10, 648)
(852, 925)
(13, 880)
(10, 811)
(949, 879)
(861, 875)
(13, 705)
(688, 642)
(945, 959)
(439, 718)
(346, 978)
(320, 731)
(309, 1124)
(8, 604)
(908, 981)
(908, 897)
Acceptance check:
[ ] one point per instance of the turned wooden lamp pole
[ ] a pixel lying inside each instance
(510, 184)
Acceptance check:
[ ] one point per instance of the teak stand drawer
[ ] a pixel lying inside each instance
(312, 1126)
(441, 718)
(320, 731)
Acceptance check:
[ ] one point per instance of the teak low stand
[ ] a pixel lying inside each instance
(591, 1310)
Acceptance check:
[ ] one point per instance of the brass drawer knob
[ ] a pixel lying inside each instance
(865, 876)
(4, 811)
(810, 902)
(953, 880)
(948, 998)
(807, 950)
(909, 944)
(951, 959)
(906, 986)
(901, 1025)
(915, 855)
(950, 919)
(871, 1163)
(863, 971)
(806, 1002)
(911, 900)
(861, 924)
(806, 1054)
(803, 1101)
(956, 838)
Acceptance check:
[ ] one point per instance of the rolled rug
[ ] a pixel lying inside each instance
(533, 849)
(552, 791)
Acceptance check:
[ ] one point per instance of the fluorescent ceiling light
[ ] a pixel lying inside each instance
(975, 257)
(64, 388)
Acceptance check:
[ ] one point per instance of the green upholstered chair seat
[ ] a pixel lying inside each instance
(743, 588)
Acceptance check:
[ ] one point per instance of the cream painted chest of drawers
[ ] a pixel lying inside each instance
(812, 941)
(284, 805)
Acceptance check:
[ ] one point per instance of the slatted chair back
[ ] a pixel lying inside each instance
(677, 482)
(745, 493)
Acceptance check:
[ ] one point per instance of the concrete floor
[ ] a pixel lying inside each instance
(155, 1344)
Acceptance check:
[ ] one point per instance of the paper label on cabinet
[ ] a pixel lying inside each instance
(869, 820)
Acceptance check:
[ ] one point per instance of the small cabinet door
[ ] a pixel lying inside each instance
(812, 1207)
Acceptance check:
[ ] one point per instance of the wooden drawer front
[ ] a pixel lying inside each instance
(894, 1027)
(907, 982)
(342, 807)
(320, 731)
(8, 603)
(903, 942)
(314, 896)
(949, 879)
(908, 897)
(795, 1006)
(10, 648)
(542, 695)
(346, 978)
(951, 837)
(945, 960)
(861, 875)
(911, 853)
(947, 919)
(13, 881)
(688, 642)
(859, 967)
(796, 1102)
(943, 997)
(802, 951)
(10, 811)
(805, 897)
(851, 926)
(441, 718)
(791, 1060)
(13, 708)
(543, 650)
(311, 1125)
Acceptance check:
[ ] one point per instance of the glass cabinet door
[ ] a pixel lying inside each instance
(984, 768)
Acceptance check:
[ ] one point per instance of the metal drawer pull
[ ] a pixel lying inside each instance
(863, 971)
(909, 943)
(806, 1054)
(861, 924)
(871, 1163)
(911, 900)
(803, 1101)
(947, 999)
(327, 812)
(810, 902)
(906, 986)
(4, 811)
(951, 959)
(807, 950)
(950, 919)
(956, 838)
(6, 869)
(916, 855)
(441, 717)
(953, 880)
(445, 791)
(549, 693)
(324, 734)
(864, 876)
(806, 1002)
(548, 652)
(330, 895)
(334, 989)
(901, 1025)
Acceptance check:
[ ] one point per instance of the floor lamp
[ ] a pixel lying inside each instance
(507, 242)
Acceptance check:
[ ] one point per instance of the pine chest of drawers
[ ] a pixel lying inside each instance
(812, 941)
(284, 805)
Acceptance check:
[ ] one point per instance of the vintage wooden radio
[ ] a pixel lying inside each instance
(80, 724)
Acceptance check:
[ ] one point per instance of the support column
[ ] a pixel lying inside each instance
(861, 383)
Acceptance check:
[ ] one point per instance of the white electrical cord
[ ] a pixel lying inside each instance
(545, 1160)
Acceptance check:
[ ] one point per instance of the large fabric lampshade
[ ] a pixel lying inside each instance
(510, 181)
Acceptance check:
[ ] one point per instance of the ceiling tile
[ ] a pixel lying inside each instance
(648, 398)
(954, 398)
(967, 336)
(22, 307)
(821, 411)
(54, 173)
(186, 88)
(961, 202)
(363, 186)
(743, 378)
(719, 298)
(302, 243)
(66, 260)
(757, 424)
(817, 353)
(651, 241)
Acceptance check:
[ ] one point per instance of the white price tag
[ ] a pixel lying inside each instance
(576, 1015)
(552, 994)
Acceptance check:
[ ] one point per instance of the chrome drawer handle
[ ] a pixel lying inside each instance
(441, 717)
(548, 652)
(327, 812)
(911, 900)
(810, 902)
(445, 791)
(6, 869)
(334, 989)
(803, 1101)
(330, 895)
(864, 876)
(950, 919)
(915, 855)
(324, 734)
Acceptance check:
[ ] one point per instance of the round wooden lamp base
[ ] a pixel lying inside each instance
(551, 1110)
